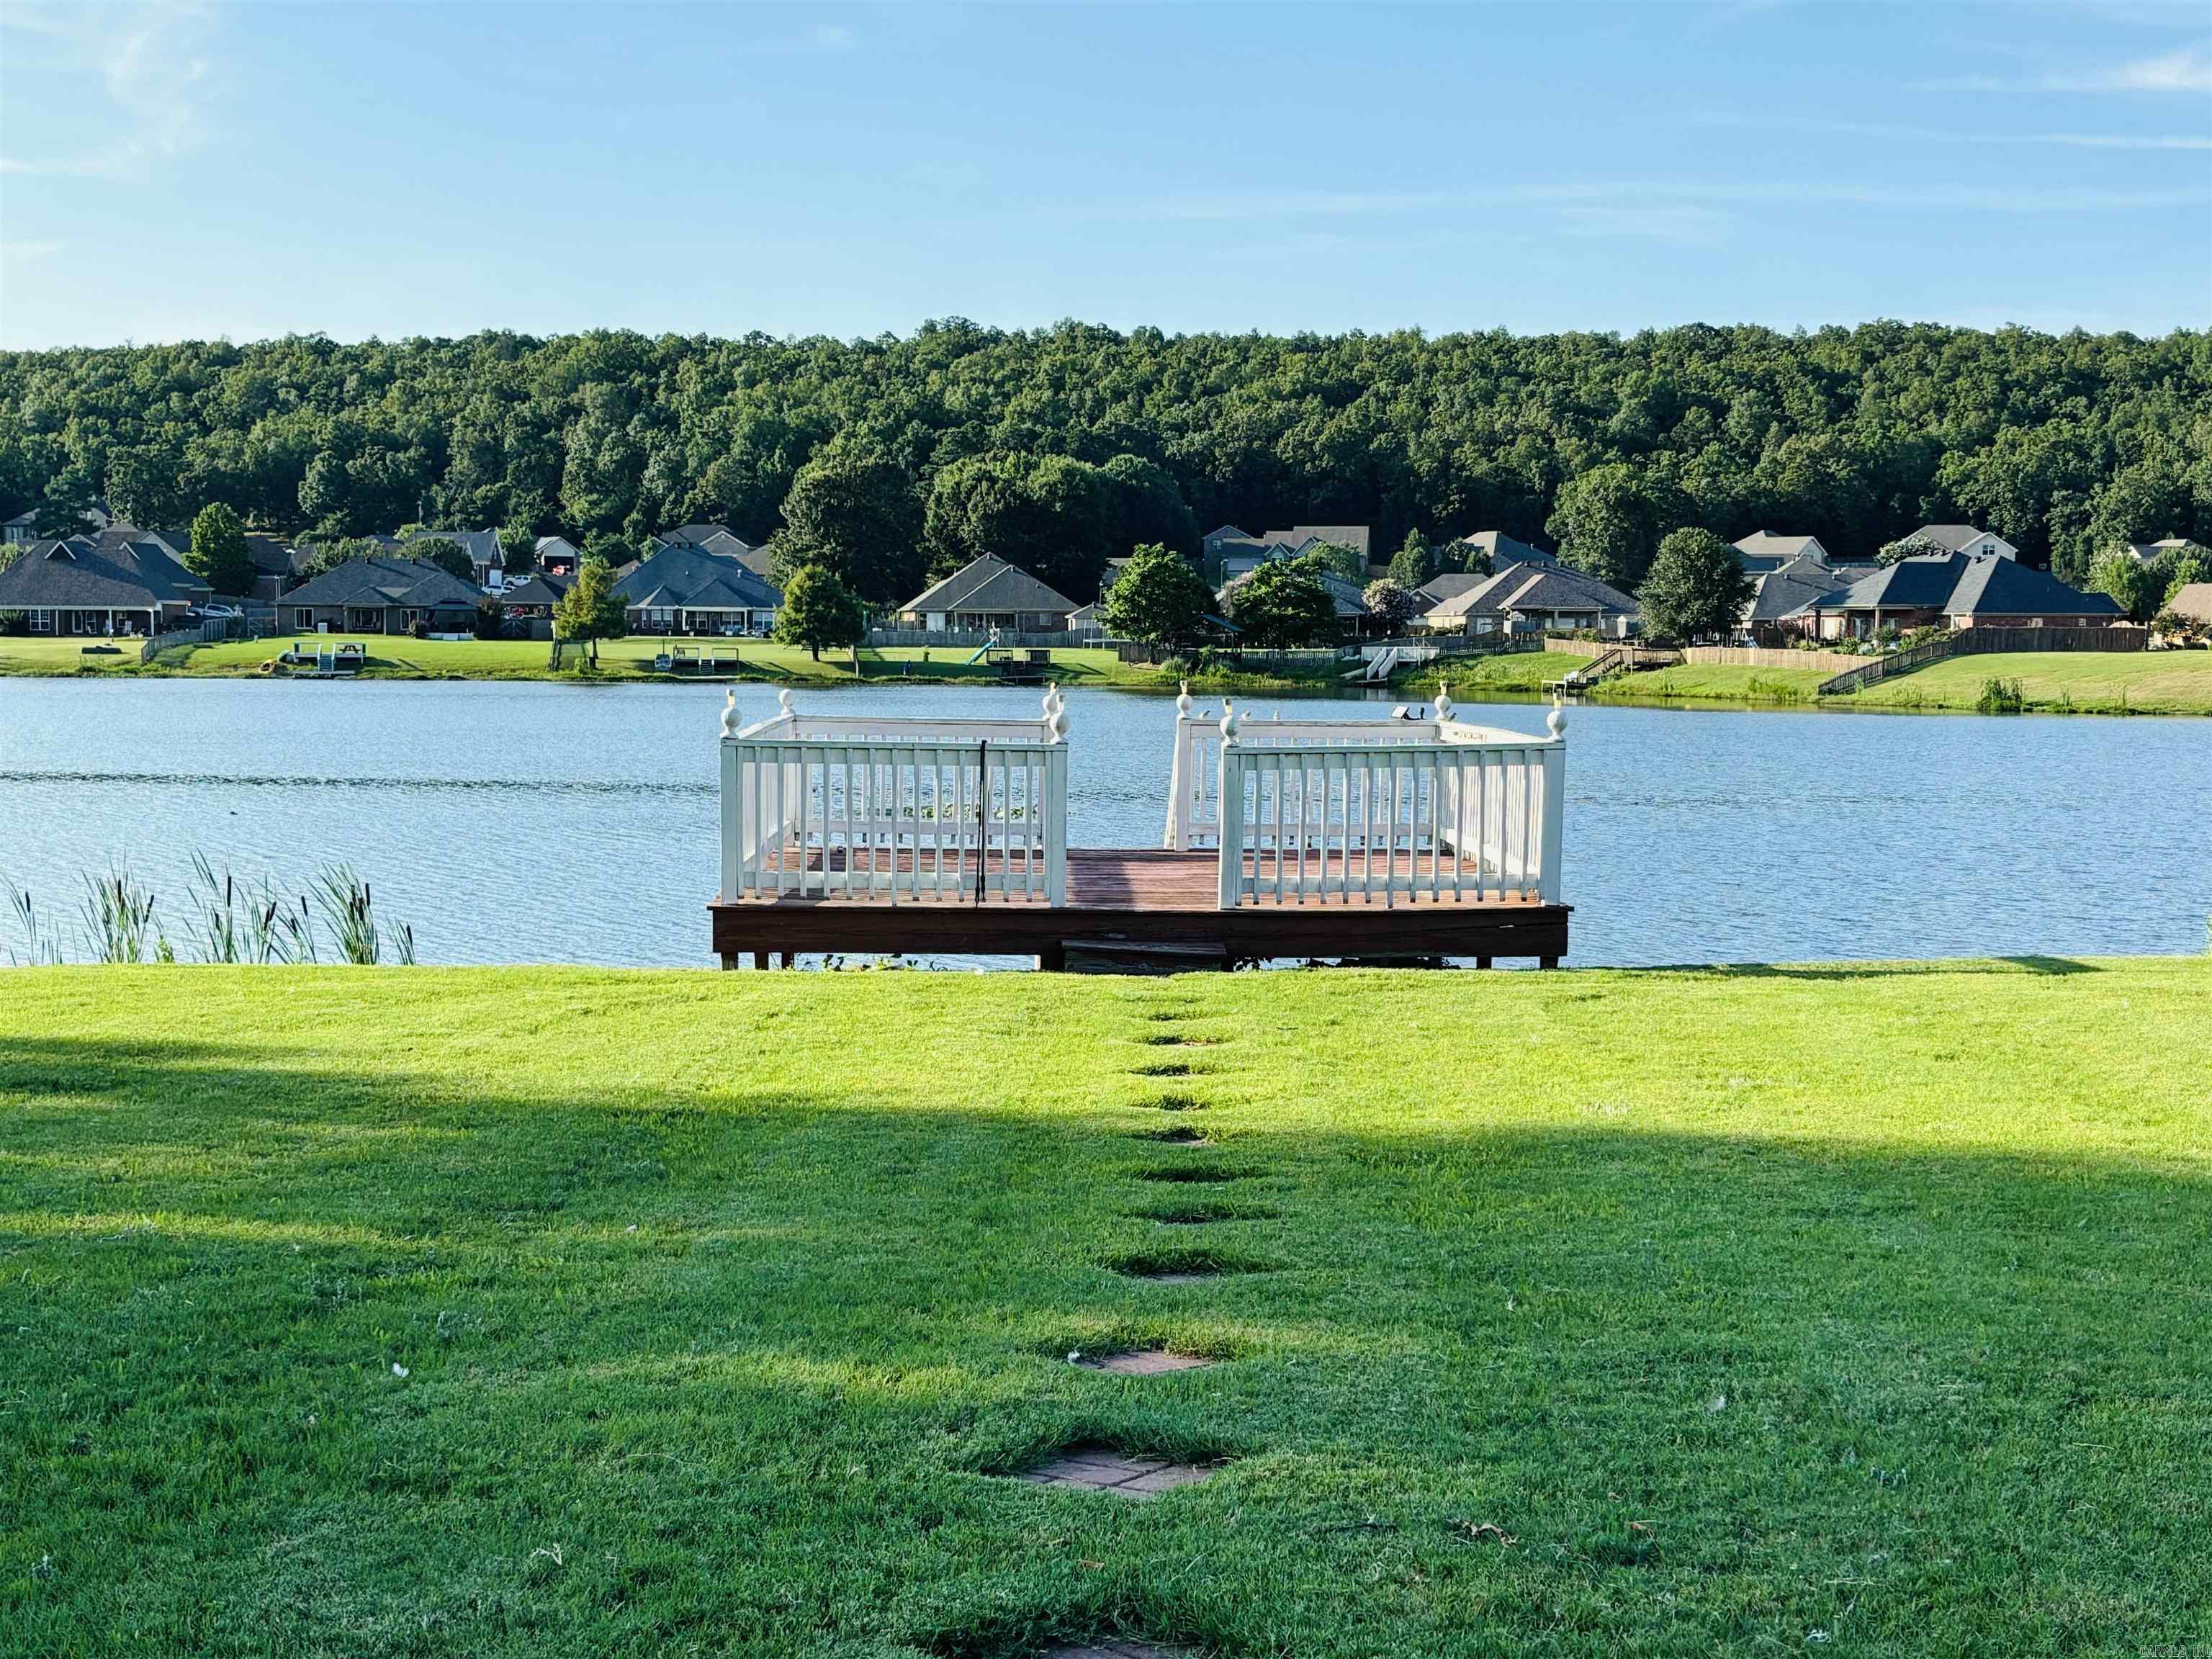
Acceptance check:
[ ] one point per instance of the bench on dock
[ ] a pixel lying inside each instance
(1374, 838)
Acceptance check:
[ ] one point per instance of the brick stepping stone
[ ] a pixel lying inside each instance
(1117, 1650)
(1166, 1068)
(1180, 1103)
(1176, 1137)
(1101, 1468)
(1141, 1362)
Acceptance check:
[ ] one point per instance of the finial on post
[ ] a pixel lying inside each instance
(1182, 702)
(783, 699)
(1229, 721)
(729, 714)
(1556, 721)
(1055, 713)
(1444, 701)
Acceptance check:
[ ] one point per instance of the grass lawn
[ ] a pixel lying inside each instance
(527, 1312)
(1714, 682)
(23, 653)
(2089, 682)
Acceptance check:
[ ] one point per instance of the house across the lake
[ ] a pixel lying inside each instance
(688, 587)
(557, 556)
(88, 587)
(986, 593)
(382, 595)
(1763, 552)
(1553, 598)
(720, 539)
(1230, 552)
(1952, 589)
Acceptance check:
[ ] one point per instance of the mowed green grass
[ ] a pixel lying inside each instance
(634, 657)
(24, 653)
(1857, 1310)
(2089, 682)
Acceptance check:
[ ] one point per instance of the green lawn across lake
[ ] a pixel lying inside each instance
(1850, 1310)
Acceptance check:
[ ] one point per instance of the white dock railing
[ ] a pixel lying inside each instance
(1370, 810)
(971, 812)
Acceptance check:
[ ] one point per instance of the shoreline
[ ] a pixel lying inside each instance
(2166, 683)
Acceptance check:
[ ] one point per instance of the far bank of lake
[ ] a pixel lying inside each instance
(530, 823)
(2083, 682)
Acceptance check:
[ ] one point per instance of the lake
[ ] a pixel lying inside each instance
(539, 822)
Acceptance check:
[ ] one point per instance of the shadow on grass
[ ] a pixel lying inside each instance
(792, 1331)
(1845, 971)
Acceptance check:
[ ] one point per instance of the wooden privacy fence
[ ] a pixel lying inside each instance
(2115, 638)
(952, 811)
(1372, 811)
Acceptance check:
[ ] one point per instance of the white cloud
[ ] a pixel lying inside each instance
(135, 74)
(2188, 69)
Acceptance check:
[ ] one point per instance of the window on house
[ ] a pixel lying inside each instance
(303, 619)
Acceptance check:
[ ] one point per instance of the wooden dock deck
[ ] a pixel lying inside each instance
(1142, 898)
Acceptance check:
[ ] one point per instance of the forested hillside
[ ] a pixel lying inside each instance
(1074, 441)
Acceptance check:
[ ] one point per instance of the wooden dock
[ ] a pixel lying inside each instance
(1133, 897)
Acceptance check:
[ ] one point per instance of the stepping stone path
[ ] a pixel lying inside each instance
(1101, 1468)
(1176, 1137)
(1117, 1650)
(1140, 1361)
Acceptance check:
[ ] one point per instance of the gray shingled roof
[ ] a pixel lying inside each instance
(1958, 585)
(687, 577)
(1994, 587)
(1782, 593)
(1536, 587)
(990, 585)
(1503, 550)
(1449, 585)
(411, 584)
(76, 575)
(1353, 536)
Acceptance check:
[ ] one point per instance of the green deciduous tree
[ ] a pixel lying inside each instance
(1696, 587)
(1159, 598)
(1413, 564)
(1609, 520)
(448, 556)
(590, 611)
(858, 518)
(1282, 604)
(217, 555)
(2137, 585)
(819, 611)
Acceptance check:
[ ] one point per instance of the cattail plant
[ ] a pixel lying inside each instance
(118, 917)
(217, 921)
(350, 911)
(43, 948)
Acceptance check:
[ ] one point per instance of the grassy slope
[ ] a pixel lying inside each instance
(2093, 682)
(1858, 1307)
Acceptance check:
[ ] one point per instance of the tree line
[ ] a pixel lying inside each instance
(886, 460)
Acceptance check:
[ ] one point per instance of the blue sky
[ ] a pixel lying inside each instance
(179, 170)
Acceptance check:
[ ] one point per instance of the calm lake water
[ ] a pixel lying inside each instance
(533, 823)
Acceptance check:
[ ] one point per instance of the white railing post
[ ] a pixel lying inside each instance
(1055, 800)
(1177, 832)
(1231, 793)
(733, 794)
(1555, 802)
